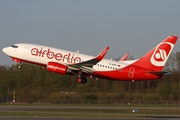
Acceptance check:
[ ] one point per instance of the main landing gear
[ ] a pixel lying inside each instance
(81, 78)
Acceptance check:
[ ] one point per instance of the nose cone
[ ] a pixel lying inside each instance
(5, 50)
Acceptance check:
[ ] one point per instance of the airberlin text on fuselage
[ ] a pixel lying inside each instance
(69, 57)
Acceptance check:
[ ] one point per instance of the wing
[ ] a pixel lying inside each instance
(86, 66)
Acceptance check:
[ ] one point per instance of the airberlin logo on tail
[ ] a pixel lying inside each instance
(69, 57)
(161, 53)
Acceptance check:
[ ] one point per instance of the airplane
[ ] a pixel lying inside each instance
(148, 67)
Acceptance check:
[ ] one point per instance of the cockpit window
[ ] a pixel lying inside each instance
(14, 46)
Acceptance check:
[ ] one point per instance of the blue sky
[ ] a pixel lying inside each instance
(133, 26)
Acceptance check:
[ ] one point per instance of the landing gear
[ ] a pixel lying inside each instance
(81, 78)
(84, 80)
(19, 66)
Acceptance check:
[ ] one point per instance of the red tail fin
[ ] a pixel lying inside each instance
(157, 57)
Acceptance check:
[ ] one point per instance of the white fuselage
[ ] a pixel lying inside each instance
(42, 55)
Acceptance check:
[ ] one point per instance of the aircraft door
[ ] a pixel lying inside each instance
(131, 72)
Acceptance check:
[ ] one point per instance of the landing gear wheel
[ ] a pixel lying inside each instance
(79, 80)
(84, 80)
(19, 66)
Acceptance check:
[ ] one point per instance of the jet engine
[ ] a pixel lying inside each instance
(58, 68)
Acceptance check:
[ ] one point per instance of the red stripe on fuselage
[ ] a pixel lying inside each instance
(126, 74)
(22, 60)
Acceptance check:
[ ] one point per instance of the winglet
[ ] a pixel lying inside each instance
(102, 54)
(124, 57)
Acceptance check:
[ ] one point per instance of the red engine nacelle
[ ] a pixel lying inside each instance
(57, 68)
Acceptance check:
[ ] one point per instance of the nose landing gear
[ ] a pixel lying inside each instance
(19, 66)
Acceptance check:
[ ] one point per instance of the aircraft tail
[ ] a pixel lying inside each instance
(156, 58)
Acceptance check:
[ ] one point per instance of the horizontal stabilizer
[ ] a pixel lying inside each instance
(159, 72)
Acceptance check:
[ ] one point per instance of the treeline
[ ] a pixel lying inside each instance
(34, 84)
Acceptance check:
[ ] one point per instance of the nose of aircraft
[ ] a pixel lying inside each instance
(5, 50)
